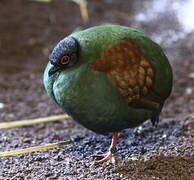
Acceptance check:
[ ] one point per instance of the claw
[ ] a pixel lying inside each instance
(109, 156)
(101, 158)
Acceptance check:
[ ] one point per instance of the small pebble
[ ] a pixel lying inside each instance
(191, 75)
(133, 158)
(2, 105)
(164, 136)
(189, 91)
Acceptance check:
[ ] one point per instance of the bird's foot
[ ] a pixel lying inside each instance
(109, 156)
(101, 158)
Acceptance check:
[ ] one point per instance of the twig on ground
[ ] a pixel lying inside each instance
(34, 149)
(32, 121)
(83, 9)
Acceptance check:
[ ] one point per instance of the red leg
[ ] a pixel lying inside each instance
(114, 140)
(109, 155)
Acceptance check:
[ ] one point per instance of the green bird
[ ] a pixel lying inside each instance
(109, 78)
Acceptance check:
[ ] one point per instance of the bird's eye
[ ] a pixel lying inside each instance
(65, 60)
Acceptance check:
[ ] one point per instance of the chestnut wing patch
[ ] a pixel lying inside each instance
(128, 69)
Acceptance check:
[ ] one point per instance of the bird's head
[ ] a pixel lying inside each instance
(64, 55)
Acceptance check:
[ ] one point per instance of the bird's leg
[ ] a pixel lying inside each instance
(110, 154)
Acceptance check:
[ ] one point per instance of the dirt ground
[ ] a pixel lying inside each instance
(28, 31)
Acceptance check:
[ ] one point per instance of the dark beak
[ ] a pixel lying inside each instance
(53, 70)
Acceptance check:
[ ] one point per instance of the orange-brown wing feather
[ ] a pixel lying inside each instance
(129, 70)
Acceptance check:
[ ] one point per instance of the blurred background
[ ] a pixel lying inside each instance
(29, 29)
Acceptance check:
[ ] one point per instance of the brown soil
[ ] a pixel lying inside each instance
(28, 32)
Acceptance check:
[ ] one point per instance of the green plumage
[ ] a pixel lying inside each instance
(89, 96)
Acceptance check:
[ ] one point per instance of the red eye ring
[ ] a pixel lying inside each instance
(65, 60)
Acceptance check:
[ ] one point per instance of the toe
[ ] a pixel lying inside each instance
(107, 157)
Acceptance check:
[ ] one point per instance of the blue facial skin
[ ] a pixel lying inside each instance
(66, 47)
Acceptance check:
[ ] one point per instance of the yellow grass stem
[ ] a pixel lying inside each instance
(32, 121)
(83, 9)
(34, 149)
